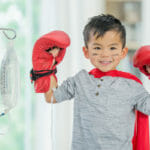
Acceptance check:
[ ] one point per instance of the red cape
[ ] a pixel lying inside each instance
(140, 139)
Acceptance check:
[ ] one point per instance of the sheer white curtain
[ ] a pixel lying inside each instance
(69, 16)
(27, 99)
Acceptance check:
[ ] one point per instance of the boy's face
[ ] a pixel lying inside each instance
(106, 52)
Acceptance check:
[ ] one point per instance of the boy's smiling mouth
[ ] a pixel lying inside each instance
(105, 62)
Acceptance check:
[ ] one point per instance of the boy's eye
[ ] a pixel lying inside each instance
(113, 48)
(97, 48)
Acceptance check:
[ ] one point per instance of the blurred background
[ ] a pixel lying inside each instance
(31, 121)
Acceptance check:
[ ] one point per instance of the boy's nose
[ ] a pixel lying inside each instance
(105, 53)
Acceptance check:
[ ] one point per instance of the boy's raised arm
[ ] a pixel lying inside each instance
(48, 51)
(49, 94)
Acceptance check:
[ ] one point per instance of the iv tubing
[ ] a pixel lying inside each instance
(52, 110)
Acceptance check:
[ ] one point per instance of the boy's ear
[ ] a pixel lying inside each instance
(124, 52)
(86, 52)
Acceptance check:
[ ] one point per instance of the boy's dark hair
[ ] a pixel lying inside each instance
(101, 24)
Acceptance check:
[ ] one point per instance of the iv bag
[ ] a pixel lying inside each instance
(9, 79)
(9, 86)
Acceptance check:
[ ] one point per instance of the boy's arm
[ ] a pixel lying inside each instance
(66, 91)
(143, 103)
(49, 94)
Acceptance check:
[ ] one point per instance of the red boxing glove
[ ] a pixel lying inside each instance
(141, 58)
(42, 60)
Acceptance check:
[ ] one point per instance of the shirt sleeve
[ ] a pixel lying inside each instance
(142, 102)
(65, 91)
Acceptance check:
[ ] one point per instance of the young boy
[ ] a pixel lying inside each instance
(105, 99)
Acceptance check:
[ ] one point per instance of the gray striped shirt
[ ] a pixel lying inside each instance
(104, 110)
